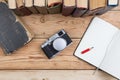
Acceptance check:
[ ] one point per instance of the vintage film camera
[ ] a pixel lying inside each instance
(56, 43)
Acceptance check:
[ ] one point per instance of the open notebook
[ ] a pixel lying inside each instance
(100, 46)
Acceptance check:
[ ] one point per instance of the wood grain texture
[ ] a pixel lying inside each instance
(75, 27)
(54, 75)
(32, 57)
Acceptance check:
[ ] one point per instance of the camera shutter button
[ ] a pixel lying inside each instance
(59, 44)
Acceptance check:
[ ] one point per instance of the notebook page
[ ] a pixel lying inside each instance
(111, 62)
(98, 35)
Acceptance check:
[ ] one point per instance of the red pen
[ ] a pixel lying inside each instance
(86, 50)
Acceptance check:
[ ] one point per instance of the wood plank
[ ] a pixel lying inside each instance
(75, 27)
(54, 75)
(32, 57)
(112, 17)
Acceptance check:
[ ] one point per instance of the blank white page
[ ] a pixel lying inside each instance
(98, 35)
(111, 62)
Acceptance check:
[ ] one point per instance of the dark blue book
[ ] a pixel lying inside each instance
(13, 34)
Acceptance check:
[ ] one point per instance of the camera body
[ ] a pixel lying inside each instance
(56, 43)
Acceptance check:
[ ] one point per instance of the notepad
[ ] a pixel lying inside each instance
(105, 40)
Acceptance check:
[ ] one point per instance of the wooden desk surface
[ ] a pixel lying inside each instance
(31, 57)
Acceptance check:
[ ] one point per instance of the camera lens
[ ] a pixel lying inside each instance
(59, 44)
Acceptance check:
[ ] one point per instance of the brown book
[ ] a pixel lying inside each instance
(41, 6)
(54, 6)
(29, 5)
(18, 7)
(21, 8)
(68, 7)
(95, 6)
(12, 5)
(13, 33)
(110, 5)
(81, 8)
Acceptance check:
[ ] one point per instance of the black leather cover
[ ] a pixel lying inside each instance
(12, 34)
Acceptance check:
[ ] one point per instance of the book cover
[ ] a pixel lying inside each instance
(13, 33)
(21, 8)
(108, 7)
(68, 7)
(41, 6)
(54, 6)
(95, 6)
(81, 8)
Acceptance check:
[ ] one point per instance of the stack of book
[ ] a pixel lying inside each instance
(76, 8)
(81, 8)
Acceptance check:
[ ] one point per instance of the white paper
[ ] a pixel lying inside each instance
(111, 62)
(98, 35)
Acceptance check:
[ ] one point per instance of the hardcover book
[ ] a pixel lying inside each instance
(18, 7)
(95, 6)
(13, 33)
(81, 8)
(29, 5)
(41, 6)
(21, 8)
(54, 6)
(68, 7)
